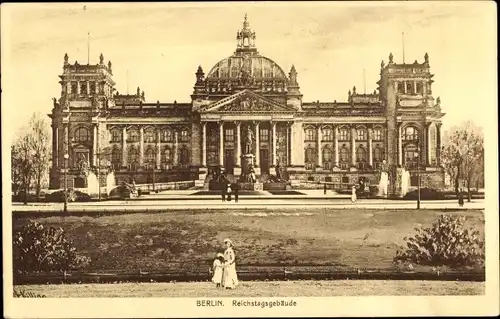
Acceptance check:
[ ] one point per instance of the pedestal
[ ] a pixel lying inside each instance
(272, 170)
(237, 171)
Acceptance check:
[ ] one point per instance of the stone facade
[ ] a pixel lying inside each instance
(246, 104)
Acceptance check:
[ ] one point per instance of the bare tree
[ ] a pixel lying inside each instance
(39, 128)
(30, 155)
(461, 154)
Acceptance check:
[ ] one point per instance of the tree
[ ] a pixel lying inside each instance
(461, 155)
(42, 150)
(30, 154)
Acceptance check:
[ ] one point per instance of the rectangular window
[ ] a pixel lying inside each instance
(229, 135)
(377, 134)
(264, 134)
(361, 135)
(92, 88)
(310, 135)
(184, 136)
(327, 135)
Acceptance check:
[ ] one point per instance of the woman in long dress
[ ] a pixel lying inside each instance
(230, 277)
(353, 194)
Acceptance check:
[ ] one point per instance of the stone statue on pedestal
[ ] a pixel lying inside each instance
(249, 140)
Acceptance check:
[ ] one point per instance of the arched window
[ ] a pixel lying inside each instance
(167, 136)
(409, 88)
(410, 133)
(184, 157)
(361, 157)
(149, 135)
(344, 157)
(420, 88)
(83, 88)
(327, 158)
(166, 159)
(310, 158)
(401, 88)
(327, 134)
(116, 157)
(150, 157)
(378, 156)
(411, 156)
(310, 134)
(133, 135)
(377, 134)
(361, 134)
(116, 135)
(82, 134)
(344, 134)
(133, 157)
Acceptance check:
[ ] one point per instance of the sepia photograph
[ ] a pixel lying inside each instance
(259, 158)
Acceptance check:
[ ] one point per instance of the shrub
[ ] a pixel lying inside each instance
(446, 243)
(425, 194)
(38, 248)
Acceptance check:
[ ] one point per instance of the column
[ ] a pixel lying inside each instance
(438, 143)
(353, 146)
(428, 144)
(404, 89)
(54, 146)
(273, 151)
(158, 149)
(336, 145)
(68, 88)
(257, 145)
(124, 146)
(370, 147)
(88, 87)
(221, 143)
(94, 146)
(204, 144)
(176, 147)
(400, 145)
(424, 88)
(318, 146)
(415, 87)
(78, 87)
(290, 144)
(141, 146)
(66, 139)
(238, 144)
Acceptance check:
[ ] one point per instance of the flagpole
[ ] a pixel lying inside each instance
(88, 47)
(403, 41)
(364, 79)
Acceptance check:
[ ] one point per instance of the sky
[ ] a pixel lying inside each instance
(160, 46)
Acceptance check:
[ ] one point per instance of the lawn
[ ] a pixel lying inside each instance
(261, 289)
(183, 240)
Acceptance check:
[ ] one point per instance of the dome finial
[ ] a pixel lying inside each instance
(245, 22)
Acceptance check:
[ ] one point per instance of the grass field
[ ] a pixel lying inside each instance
(182, 239)
(261, 289)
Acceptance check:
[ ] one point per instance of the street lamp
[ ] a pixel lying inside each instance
(418, 174)
(66, 156)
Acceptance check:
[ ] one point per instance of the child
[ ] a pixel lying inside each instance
(217, 268)
(229, 190)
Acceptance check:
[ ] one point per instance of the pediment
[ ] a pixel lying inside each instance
(246, 102)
